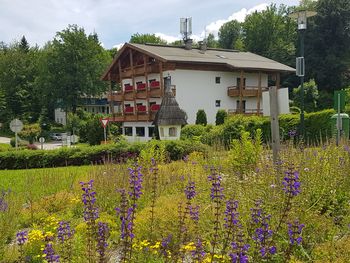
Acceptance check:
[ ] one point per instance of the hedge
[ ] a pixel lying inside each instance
(26, 159)
(317, 126)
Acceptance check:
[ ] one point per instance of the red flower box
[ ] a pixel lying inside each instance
(129, 109)
(141, 86)
(155, 84)
(155, 107)
(128, 87)
(141, 108)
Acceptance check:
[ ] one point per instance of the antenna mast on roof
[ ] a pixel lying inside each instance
(186, 27)
(186, 31)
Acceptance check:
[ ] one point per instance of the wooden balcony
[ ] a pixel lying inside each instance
(115, 96)
(140, 113)
(247, 91)
(139, 70)
(245, 111)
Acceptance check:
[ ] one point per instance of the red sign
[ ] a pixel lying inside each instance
(104, 122)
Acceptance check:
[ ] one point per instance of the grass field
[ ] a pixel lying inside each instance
(37, 200)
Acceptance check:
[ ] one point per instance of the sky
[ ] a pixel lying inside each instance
(115, 20)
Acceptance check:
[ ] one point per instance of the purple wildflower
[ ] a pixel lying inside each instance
(49, 254)
(164, 245)
(294, 232)
(198, 254)
(194, 213)
(291, 183)
(21, 237)
(262, 234)
(292, 133)
(64, 231)
(190, 190)
(231, 214)
(89, 200)
(102, 236)
(239, 252)
(135, 181)
(216, 189)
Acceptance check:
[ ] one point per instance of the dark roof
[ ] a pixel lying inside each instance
(170, 112)
(232, 59)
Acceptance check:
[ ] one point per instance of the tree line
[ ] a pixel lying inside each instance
(36, 80)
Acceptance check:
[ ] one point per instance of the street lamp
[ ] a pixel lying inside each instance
(301, 17)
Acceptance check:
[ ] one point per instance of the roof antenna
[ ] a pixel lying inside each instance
(186, 31)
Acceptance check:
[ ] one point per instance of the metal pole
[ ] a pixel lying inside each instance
(105, 134)
(275, 131)
(339, 124)
(16, 140)
(302, 125)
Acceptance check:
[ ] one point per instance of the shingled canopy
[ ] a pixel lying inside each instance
(170, 112)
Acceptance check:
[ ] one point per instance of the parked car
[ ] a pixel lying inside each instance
(56, 136)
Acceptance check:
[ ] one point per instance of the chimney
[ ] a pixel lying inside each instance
(188, 44)
(203, 46)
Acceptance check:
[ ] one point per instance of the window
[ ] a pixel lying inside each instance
(161, 132)
(172, 132)
(151, 80)
(140, 131)
(217, 103)
(217, 80)
(239, 106)
(151, 132)
(128, 131)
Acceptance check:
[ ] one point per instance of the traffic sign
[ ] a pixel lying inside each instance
(16, 125)
(104, 122)
(41, 139)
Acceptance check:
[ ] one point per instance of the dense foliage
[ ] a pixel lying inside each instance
(84, 155)
(197, 209)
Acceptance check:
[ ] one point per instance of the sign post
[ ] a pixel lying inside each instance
(16, 126)
(339, 105)
(104, 125)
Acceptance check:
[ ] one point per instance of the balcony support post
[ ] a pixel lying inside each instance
(241, 93)
(259, 93)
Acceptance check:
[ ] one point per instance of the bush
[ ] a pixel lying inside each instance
(201, 117)
(192, 130)
(220, 117)
(317, 126)
(120, 152)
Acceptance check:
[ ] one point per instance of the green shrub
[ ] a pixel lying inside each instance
(119, 152)
(192, 130)
(201, 117)
(245, 153)
(220, 117)
(317, 126)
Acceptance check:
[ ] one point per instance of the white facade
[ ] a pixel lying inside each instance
(138, 131)
(198, 90)
(60, 116)
(283, 102)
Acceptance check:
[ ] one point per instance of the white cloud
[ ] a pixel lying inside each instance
(168, 38)
(213, 28)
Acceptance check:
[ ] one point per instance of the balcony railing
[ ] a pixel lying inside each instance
(247, 91)
(245, 111)
(140, 113)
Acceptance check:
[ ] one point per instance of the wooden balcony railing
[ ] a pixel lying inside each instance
(245, 111)
(141, 113)
(247, 91)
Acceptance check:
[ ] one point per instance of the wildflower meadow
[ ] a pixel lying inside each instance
(217, 206)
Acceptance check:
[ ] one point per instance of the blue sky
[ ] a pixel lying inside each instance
(115, 21)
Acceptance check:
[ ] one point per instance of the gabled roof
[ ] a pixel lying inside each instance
(230, 58)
